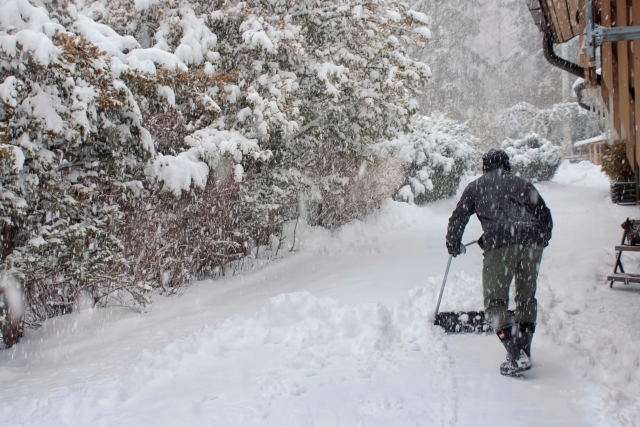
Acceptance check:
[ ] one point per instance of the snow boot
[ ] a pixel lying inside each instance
(525, 336)
(513, 367)
(517, 360)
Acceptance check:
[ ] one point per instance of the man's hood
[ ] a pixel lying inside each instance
(495, 159)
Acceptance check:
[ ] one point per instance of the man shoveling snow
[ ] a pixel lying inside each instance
(517, 227)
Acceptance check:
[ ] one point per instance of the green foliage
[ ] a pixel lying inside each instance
(615, 163)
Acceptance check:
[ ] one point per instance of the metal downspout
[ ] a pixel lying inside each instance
(555, 60)
(568, 66)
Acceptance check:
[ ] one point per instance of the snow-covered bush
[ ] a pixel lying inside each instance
(564, 122)
(533, 157)
(436, 153)
(74, 149)
(292, 83)
(357, 87)
(143, 143)
(344, 198)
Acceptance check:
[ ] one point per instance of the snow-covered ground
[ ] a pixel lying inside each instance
(340, 334)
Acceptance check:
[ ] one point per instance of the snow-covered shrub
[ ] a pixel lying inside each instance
(176, 239)
(350, 96)
(615, 163)
(134, 130)
(73, 134)
(564, 122)
(314, 103)
(533, 157)
(343, 198)
(436, 153)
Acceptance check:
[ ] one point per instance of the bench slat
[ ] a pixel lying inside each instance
(627, 278)
(627, 248)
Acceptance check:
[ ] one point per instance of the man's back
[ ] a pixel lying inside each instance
(510, 210)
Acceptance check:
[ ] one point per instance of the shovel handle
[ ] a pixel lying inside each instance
(444, 280)
(446, 273)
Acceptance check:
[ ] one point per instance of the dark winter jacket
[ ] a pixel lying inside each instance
(509, 208)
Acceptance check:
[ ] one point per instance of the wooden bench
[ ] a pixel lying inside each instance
(625, 278)
(627, 248)
(619, 275)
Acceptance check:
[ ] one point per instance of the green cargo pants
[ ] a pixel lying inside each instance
(499, 267)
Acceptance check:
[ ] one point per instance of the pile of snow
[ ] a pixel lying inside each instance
(311, 350)
(357, 237)
(463, 291)
(584, 174)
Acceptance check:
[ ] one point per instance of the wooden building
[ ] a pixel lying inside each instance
(609, 33)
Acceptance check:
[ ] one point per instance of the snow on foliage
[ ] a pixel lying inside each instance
(437, 153)
(76, 130)
(114, 113)
(561, 123)
(533, 157)
(210, 147)
(180, 173)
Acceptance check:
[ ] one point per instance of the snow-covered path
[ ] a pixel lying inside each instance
(339, 334)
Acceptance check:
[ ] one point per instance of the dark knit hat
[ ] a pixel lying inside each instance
(495, 159)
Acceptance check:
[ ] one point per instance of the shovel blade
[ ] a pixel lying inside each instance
(463, 322)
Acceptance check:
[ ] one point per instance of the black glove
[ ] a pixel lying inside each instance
(456, 249)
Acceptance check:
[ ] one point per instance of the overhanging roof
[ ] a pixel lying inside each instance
(562, 18)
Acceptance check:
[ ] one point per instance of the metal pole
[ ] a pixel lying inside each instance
(444, 280)
(446, 273)
(588, 31)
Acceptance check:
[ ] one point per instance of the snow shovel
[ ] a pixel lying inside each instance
(463, 321)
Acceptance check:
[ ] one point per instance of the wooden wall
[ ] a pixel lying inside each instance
(619, 62)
